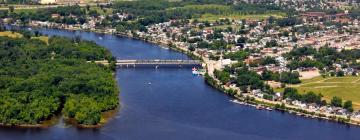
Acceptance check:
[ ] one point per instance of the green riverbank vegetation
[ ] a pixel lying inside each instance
(40, 80)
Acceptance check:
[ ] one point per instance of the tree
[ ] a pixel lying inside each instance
(268, 60)
(11, 9)
(271, 19)
(290, 77)
(291, 93)
(323, 103)
(223, 76)
(248, 78)
(271, 43)
(241, 40)
(239, 55)
(311, 97)
(87, 7)
(340, 73)
(191, 48)
(336, 101)
(349, 106)
(266, 75)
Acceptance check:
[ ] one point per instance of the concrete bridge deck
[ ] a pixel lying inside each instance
(157, 63)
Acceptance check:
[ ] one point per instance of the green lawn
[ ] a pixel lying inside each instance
(11, 34)
(213, 12)
(106, 11)
(42, 38)
(347, 88)
(18, 35)
(212, 17)
(19, 10)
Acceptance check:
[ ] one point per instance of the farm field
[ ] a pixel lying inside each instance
(348, 88)
(213, 12)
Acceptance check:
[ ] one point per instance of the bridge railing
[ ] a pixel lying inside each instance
(158, 61)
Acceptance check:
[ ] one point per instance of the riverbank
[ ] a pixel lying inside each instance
(105, 118)
(211, 65)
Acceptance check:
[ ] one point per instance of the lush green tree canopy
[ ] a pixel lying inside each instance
(38, 80)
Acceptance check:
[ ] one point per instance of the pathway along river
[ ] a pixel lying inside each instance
(178, 105)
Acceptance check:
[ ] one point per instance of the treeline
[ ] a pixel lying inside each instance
(38, 81)
(324, 57)
(311, 97)
(283, 77)
(46, 14)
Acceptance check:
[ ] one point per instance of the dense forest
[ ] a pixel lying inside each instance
(38, 81)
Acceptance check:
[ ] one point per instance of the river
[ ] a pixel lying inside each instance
(178, 105)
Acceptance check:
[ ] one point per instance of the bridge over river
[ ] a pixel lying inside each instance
(158, 62)
(154, 63)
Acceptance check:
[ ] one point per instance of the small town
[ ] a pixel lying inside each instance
(295, 56)
(249, 42)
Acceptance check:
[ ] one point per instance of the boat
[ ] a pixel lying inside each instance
(195, 71)
(237, 101)
(268, 108)
(259, 107)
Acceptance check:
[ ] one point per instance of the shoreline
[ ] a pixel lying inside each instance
(255, 100)
(105, 118)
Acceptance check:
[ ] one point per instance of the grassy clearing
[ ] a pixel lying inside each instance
(348, 88)
(11, 34)
(42, 38)
(18, 11)
(18, 35)
(106, 11)
(212, 17)
(213, 12)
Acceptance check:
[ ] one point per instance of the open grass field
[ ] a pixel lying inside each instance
(42, 38)
(213, 12)
(18, 35)
(11, 34)
(18, 11)
(212, 17)
(105, 11)
(348, 88)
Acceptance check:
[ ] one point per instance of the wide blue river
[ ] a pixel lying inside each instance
(178, 105)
